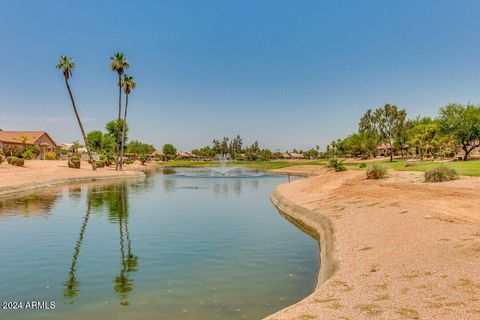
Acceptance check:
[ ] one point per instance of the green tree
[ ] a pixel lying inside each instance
(385, 123)
(311, 154)
(265, 154)
(206, 152)
(139, 147)
(75, 146)
(66, 66)
(23, 139)
(95, 140)
(235, 147)
(119, 63)
(252, 152)
(169, 151)
(462, 124)
(128, 84)
(112, 126)
(109, 144)
(424, 135)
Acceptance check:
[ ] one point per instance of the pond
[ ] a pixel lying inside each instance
(181, 244)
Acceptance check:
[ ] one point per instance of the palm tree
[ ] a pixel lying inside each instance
(119, 63)
(66, 65)
(75, 146)
(127, 84)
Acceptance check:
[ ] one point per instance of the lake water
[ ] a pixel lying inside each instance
(181, 244)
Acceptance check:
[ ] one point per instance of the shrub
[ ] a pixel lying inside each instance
(28, 154)
(74, 162)
(376, 171)
(18, 161)
(17, 151)
(336, 165)
(143, 158)
(441, 173)
(362, 165)
(2, 159)
(9, 159)
(50, 155)
(410, 164)
(100, 163)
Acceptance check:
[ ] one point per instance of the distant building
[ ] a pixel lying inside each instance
(68, 146)
(295, 155)
(384, 149)
(185, 155)
(286, 155)
(41, 139)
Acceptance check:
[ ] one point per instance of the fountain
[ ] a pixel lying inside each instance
(223, 169)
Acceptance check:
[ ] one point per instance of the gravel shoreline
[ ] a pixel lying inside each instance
(396, 248)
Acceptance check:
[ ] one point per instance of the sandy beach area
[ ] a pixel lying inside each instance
(397, 248)
(39, 173)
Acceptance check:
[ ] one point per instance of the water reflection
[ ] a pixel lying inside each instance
(114, 198)
(29, 204)
(72, 284)
(129, 261)
(169, 185)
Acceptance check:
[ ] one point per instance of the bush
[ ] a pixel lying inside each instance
(9, 159)
(100, 163)
(362, 165)
(17, 151)
(28, 155)
(410, 164)
(17, 162)
(336, 165)
(441, 173)
(50, 155)
(376, 171)
(74, 162)
(2, 159)
(143, 158)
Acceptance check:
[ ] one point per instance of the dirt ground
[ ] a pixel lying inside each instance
(40, 173)
(396, 248)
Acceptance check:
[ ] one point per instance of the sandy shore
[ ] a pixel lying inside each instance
(38, 174)
(396, 248)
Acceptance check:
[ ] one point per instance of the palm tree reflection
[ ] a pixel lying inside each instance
(129, 261)
(113, 198)
(72, 284)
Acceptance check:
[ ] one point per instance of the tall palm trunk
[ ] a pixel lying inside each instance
(119, 165)
(94, 167)
(123, 130)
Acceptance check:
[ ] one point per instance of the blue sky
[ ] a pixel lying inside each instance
(288, 73)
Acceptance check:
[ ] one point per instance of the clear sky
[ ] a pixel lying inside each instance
(288, 73)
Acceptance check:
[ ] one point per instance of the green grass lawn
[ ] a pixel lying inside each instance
(466, 168)
(266, 165)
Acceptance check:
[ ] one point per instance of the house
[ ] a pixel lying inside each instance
(185, 155)
(285, 155)
(41, 139)
(68, 146)
(295, 155)
(384, 149)
(157, 155)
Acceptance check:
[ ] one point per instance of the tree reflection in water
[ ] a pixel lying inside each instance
(129, 261)
(72, 284)
(114, 199)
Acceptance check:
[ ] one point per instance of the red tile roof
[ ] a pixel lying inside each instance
(14, 136)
